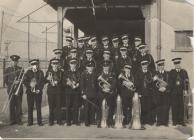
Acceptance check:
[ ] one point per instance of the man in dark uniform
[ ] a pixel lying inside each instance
(116, 47)
(123, 59)
(67, 47)
(137, 41)
(13, 75)
(89, 57)
(34, 82)
(81, 47)
(105, 46)
(107, 92)
(106, 59)
(54, 79)
(136, 54)
(73, 54)
(144, 86)
(58, 55)
(89, 91)
(126, 89)
(144, 55)
(162, 93)
(93, 43)
(126, 43)
(179, 81)
(71, 81)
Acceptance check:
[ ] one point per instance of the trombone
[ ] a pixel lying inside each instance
(13, 87)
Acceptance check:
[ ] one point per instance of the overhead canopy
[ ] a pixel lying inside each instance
(104, 16)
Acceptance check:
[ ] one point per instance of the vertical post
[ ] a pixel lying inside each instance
(46, 44)
(2, 22)
(75, 35)
(28, 37)
(60, 27)
(159, 25)
(4, 66)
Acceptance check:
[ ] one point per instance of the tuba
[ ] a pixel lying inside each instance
(104, 85)
(136, 113)
(104, 109)
(127, 83)
(119, 114)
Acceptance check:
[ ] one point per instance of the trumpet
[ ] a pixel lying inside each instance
(104, 85)
(127, 83)
(160, 83)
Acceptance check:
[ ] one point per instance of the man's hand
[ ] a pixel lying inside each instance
(37, 91)
(185, 93)
(162, 89)
(84, 97)
(16, 82)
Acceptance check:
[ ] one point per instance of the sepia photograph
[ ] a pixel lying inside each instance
(96, 69)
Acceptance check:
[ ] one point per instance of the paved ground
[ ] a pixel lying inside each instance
(90, 133)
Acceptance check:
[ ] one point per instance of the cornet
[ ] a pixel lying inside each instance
(72, 83)
(51, 79)
(127, 83)
(104, 85)
(160, 83)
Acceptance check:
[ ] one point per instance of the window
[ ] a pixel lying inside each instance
(182, 40)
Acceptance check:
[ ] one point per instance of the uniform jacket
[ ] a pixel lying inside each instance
(88, 84)
(39, 76)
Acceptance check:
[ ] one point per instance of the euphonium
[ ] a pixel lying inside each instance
(104, 109)
(119, 114)
(136, 113)
(104, 85)
(128, 84)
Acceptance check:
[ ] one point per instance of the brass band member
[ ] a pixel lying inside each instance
(12, 79)
(67, 47)
(73, 54)
(179, 82)
(94, 45)
(34, 82)
(107, 91)
(126, 43)
(126, 90)
(144, 85)
(72, 79)
(54, 80)
(123, 59)
(106, 58)
(144, 55)
(116, 47)
(136, 54)
(162, 93)
(105, 46)
(88, 86)
(81, 47)
(89, 57)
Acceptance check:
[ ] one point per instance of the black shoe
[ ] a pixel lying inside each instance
(60, 123)
(40, 124)
(29, 124)
(87, 125)
(51, 124)
(183, 124)
(12, 123)
(19, 123)
(68, 124)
